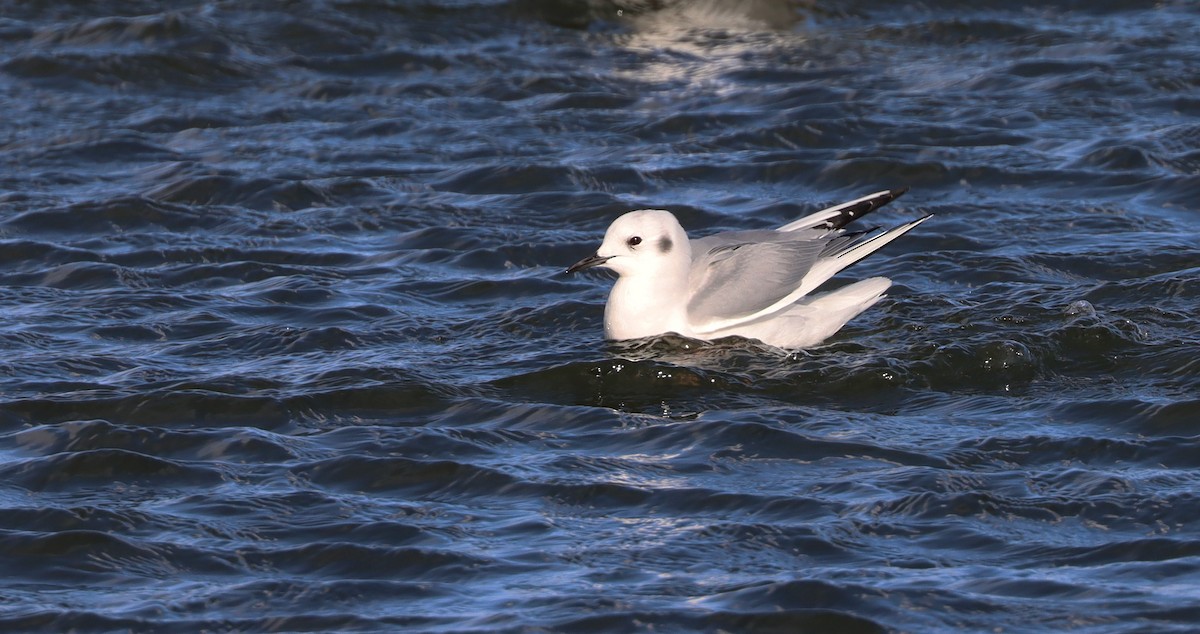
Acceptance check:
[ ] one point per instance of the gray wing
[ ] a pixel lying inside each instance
(701, 246)
(741, 278)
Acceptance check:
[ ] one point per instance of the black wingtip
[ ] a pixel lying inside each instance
(892, 194)
(865, 206)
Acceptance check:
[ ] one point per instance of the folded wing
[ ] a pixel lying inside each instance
(740, 279)
(736, 282)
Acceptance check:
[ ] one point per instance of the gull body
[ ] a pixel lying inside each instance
(755, 284)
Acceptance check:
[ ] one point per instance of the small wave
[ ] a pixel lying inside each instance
(779, 620)
(172, 71)
(83, 469)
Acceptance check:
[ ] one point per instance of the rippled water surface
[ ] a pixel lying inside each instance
(285, 344)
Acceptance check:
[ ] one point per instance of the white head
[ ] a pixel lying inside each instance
(646, 242)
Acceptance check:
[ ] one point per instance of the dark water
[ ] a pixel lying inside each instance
(284, 344)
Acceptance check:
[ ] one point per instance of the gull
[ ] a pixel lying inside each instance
(755, 284)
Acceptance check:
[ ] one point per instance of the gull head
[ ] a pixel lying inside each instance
(646, 242)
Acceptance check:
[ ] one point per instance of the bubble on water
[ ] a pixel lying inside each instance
(1081, 307)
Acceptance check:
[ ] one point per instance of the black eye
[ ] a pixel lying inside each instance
(634, 241)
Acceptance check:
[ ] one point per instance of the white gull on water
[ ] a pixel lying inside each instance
(753, 284)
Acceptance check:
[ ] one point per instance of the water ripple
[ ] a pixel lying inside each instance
(286, 343)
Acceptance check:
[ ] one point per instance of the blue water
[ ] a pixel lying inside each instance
(285, 344)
